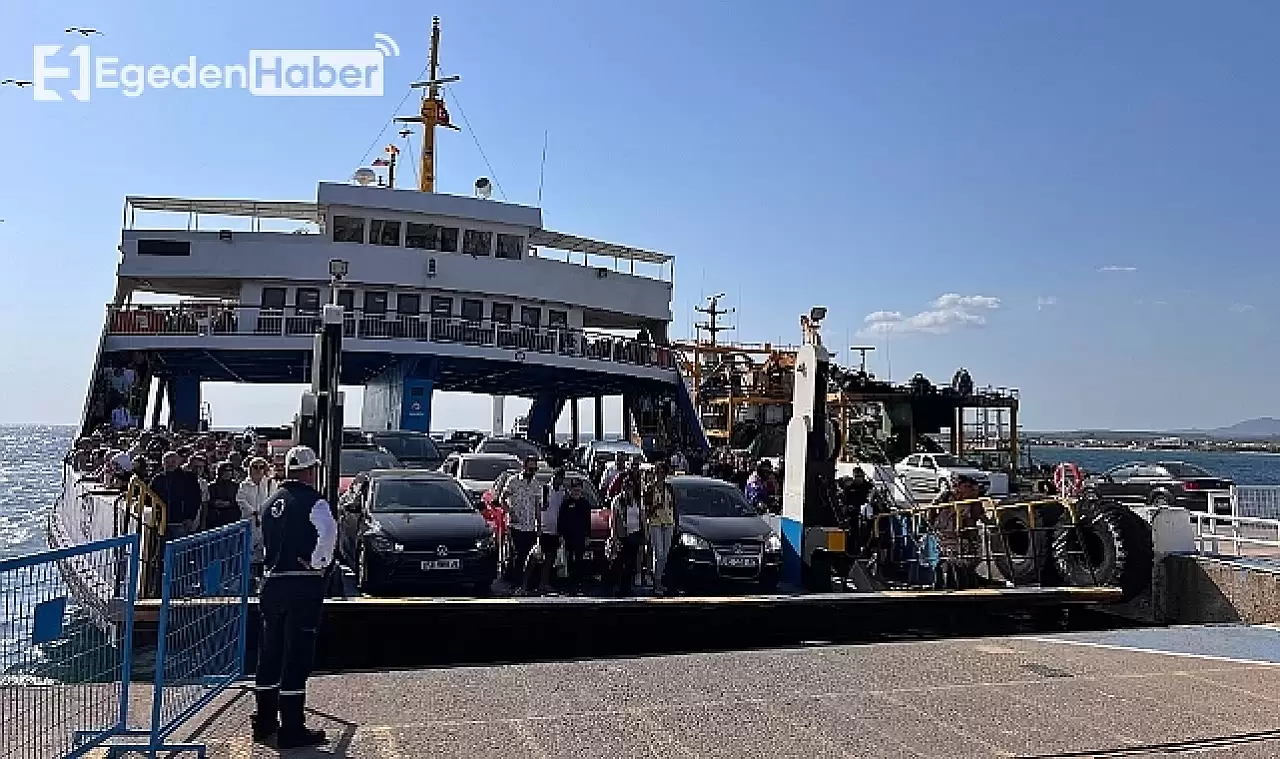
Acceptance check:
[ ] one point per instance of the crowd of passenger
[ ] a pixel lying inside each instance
(206, 479)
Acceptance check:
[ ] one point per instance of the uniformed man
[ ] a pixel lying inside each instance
(299, 534)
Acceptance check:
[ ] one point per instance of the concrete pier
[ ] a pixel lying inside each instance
(1143, 693)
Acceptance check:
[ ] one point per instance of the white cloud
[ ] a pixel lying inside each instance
(1240, 308)
(1044, 301)
(1118, 268)
(945, 314)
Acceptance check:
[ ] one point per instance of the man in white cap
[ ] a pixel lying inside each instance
(298, 534)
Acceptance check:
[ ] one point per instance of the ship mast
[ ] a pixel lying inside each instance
(433, 113)
(713, 326)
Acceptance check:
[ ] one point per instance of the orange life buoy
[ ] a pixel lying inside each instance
(1067, 478)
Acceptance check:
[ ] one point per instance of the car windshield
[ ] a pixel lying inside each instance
(521, 448)
(419, 495)
(711, 500)
(949, 461)
(409, 447)
(484, 469)
(357, 460)
(1186, 470)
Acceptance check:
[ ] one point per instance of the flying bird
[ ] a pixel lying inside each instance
(84, 32)
(15, 82)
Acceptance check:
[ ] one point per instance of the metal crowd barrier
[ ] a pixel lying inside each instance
(200, 647)
(64, 666)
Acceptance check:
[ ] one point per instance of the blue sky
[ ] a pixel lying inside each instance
(1076, 199)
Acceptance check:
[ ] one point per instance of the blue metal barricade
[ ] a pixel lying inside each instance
(200, 646)
(65, 647)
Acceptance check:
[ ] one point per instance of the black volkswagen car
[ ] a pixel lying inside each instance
(418, 530)
(721, 541)
(1158, 483)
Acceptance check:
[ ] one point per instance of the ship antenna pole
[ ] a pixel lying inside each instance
(428, 175)
(433, 113)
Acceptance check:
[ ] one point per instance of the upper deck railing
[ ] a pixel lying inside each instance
(252, 321)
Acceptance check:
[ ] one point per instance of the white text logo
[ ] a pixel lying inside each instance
(268, 73)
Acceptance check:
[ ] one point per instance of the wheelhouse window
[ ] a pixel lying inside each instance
(408, 304)
(441, 307)
(375, 303)
(422, 236)
(472, 310)
(273, 298)
(348, 229)
(502, 313)
(307, 300)
(530, 316)
(510, 246)
(557, 319)
(448, 239)
(383, 232)
(476, 242)
(347, 299)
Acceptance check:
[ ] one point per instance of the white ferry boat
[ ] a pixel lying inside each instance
(440, 292)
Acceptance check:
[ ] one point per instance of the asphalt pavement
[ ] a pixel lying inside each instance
(1207, 692)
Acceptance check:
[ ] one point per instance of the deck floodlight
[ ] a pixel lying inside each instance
(817, 313)
(484, 188)
(338, 268)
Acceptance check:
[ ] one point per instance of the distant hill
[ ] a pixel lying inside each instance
(1262, 428)
(1249, 429)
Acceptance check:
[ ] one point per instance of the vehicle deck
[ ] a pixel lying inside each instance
(368, 632)
(1207, 691)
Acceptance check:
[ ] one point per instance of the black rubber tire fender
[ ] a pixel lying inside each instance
(1108, 545)
(1019, 550)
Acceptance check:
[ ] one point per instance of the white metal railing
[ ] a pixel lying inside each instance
(1241, 536)
(250, 321)
(1256, 501)
(1245, 520)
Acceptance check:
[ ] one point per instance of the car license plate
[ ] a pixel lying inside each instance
(428, 566)
(739, 561)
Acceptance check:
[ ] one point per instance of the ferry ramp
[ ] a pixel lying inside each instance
(1164, 692)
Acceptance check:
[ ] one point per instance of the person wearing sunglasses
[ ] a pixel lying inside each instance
(253, 492)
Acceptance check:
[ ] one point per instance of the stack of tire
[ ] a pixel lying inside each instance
(1107, 545)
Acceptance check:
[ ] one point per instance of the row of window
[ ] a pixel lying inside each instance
(376, 302)
(475, 242)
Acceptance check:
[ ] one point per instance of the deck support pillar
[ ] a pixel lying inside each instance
(159, 402)
(573, 421)
(184, 402)
(599, 420)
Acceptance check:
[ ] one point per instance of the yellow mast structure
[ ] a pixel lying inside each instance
(433, 113)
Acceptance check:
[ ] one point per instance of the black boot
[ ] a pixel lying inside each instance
(266, 720)
(293, 732)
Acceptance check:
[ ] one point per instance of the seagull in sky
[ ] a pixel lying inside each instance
(15, 82)
(83, 31)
